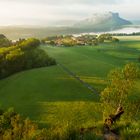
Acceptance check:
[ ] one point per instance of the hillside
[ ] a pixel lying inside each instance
(103, 22)
(55, 99)
(94, 63)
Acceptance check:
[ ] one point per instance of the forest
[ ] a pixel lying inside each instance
(24, 54)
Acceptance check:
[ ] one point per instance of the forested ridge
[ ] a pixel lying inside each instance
(23, 55)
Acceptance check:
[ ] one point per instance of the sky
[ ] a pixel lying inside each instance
(47, 12)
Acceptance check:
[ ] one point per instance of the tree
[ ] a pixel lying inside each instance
(4, 42)
(115, 39)
(121, 83)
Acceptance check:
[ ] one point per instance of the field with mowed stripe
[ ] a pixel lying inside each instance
(51, 95)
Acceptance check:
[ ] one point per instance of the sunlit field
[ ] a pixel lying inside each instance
(51, 96)
(129, 38)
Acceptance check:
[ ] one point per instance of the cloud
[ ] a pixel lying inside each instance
(45, 11)
(95, 2)
(65, 2)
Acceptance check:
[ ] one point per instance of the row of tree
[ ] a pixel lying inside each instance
(126, 34)
(26, 54)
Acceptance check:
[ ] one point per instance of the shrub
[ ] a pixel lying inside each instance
(119, 91)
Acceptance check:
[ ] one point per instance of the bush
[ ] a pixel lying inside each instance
(15, 127)
(119, 91)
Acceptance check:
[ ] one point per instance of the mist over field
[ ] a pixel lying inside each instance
(41, 18)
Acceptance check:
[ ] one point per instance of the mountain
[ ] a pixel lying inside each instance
(96, 23)
(103, 22)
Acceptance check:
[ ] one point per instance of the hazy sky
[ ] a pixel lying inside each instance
(43, 12)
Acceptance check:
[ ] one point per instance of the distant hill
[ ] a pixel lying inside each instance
(96, 23)
(103, 22)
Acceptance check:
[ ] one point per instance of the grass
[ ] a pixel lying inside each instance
(92, 64)
(26, 91)
(129, 38)
(51, 97)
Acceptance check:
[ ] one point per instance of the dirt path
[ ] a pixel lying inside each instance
(92, 89)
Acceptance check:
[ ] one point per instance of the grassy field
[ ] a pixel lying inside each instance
(92, 64)
(129, 38)
(50, 96)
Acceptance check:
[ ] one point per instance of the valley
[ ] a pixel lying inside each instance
(45, 104)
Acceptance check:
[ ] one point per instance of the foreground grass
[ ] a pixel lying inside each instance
(30, 92)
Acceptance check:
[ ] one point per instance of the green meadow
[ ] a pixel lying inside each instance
(51, 96)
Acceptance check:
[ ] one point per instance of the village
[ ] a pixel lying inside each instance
(79, 40)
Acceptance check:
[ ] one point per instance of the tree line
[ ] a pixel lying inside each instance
(25, 54)
(126, 34)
